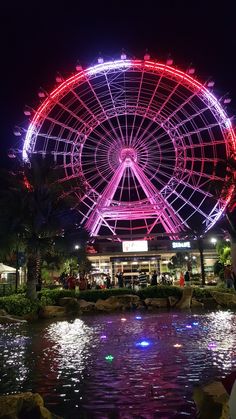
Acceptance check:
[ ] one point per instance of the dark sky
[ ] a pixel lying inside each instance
(39, 38)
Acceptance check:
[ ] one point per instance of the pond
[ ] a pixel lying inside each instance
(124, 366)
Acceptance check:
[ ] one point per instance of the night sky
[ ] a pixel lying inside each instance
(39, 38)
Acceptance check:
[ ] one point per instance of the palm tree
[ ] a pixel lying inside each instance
(35, 209)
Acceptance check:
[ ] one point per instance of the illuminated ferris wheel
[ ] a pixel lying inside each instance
(148, 139)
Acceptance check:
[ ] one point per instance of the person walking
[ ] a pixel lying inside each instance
(181, 279)
(119, 276)
(187, 279)
(108, 281)
(228, 276)
(154, 278)
(142, 279)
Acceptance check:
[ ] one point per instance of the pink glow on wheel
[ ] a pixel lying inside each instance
(150, 141)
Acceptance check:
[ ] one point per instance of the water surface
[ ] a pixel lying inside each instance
(120, 365)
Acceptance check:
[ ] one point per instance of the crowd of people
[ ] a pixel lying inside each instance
(142, 280)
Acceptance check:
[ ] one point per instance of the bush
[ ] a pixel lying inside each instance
(221, 287)
(94, 295)
(201, 293)
(52, 296)
(160, 291)
(18, 305)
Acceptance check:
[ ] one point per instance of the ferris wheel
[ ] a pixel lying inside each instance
(149, 140)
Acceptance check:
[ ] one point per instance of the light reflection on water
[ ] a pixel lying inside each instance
(98, 367)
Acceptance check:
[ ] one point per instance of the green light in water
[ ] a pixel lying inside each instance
(109, 358)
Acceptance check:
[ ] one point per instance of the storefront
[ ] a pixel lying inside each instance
(157, 256)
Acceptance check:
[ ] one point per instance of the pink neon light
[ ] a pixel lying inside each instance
(115, 65)
(104, 210)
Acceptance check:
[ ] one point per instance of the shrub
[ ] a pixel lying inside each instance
(94, 295)
(21, 289)
(160, 291)
(52, 296)
(201, 293)
(18, 305)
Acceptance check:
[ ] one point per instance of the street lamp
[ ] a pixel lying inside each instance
(213, 240)
(77, 246)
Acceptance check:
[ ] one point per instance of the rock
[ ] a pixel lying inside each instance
(157, 302)
(30, 317)
(127, 300)
(71, 304)
(211, 401)
(172, 301)
(224, 299)
(3, 312)
(108, 305)
(86, 306)
(48, 312)
(10, 319)
(210, 303)
(67, 300)
(117, 302)
(185, 301)
(196, 304)
(24, 405)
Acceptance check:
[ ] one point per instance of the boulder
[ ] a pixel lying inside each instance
(108, 305)
(172, 301)
(67, 301)
(49, 312)
(210, 303)
(224, 299)
(24, 405)
(211, 401)
(157, 302)
(185, 301)
(32, 316)
(10, 319)
(127, 300)
(3, 312)
(86, 306)
(71, 304)
(123, 302)
(196, 304)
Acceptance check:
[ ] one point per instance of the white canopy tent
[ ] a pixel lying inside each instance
(6, 269)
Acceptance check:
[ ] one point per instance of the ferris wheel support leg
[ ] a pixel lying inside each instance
(170, 221)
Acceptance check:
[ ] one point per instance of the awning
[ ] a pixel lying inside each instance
(6, 269)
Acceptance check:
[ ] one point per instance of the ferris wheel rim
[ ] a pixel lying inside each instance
(155, 66)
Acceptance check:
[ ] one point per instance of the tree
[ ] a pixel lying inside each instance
(35, 209)
(224, 252)
(178, 262)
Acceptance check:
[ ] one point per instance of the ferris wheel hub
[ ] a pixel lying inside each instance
(128, 156)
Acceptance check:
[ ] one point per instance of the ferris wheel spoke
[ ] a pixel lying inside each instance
(181, 107)
(148, 107)
(135, 114)
(170, 221)
(189, 119)
(61, 124)
(114, 108)
(171, 93)
(84, 105)
(101, 107)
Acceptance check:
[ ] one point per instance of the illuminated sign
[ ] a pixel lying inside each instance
(135, 246)
(181, 245)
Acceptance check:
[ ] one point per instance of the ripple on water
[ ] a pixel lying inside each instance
(97, 366)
